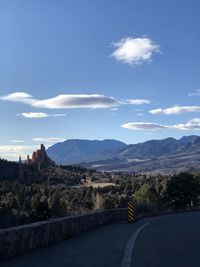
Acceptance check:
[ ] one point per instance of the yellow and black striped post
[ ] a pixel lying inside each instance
(131, 216)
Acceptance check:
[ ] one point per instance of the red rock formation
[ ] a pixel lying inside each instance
(40, 157)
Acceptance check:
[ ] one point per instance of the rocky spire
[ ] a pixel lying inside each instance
(21, 170)
(40, 157)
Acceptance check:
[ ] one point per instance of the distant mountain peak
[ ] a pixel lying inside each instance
(78, 150)
(164, 155)
(188, 139)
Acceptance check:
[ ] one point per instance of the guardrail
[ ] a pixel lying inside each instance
(18, 240)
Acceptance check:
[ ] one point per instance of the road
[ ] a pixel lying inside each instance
(164, 241)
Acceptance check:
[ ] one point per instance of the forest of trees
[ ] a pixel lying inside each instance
(24, 202)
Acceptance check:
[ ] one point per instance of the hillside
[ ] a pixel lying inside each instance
(77, 150)
(40, 168)
(166, 156)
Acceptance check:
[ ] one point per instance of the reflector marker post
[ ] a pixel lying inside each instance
(131, 215)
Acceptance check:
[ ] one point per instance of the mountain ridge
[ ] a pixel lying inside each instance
(162, 155)
(76, 150)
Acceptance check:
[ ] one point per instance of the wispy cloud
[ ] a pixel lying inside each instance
(16, 148)
(142, 126)
(17, 141)
(195, 120)
(137, 101)
(68, 101)
(191, 125)
(13, 152)
(135, 51)
(65, 101)
(186, 126)
(197, 93)
(19, 97)
(38, 115)
(93, 101)
(49, 139)
(175, 110)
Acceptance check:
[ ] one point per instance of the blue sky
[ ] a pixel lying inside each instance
(127, 70)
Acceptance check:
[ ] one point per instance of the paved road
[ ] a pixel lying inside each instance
(168, 241)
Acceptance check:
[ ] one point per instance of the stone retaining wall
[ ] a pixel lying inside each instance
(18, 240)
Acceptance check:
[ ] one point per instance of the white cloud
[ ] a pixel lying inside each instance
(17, 141)
(135, 50)
(18, 97)
(13, 152)
(187, 126)
(197, 93)
(156, 111)
(191, 125)
(36, 115)
(195, 120)
(49, 139)
(65, 101)
(57, 115)
(93, 101)
(16, 148)
(138, 101)
(142, 126)
(68, 101)
(175, 110)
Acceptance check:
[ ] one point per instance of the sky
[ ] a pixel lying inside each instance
(109, 69)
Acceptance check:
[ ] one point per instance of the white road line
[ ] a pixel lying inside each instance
(126, 261)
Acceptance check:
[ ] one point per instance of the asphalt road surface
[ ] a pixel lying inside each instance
(165, 241)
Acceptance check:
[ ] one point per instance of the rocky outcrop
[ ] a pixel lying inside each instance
(40, 158)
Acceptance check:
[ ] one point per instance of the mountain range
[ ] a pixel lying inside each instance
(74, 151)
(164, 156)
